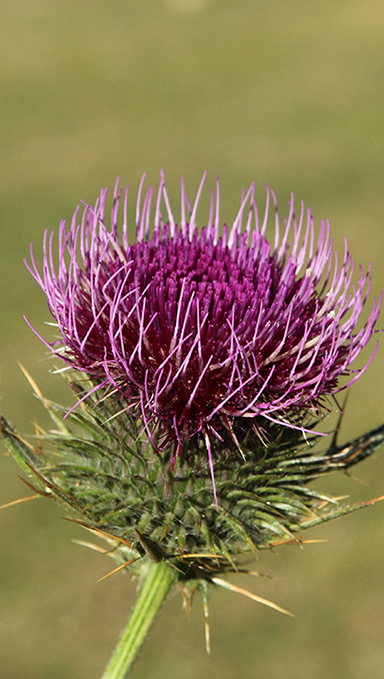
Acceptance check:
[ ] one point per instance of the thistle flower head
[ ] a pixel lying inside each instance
(201, 355)
(194, 330)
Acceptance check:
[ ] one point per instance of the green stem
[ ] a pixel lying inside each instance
(155, 587)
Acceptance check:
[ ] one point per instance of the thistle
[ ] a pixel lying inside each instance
(203, 361)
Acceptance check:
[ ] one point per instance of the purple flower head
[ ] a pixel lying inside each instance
(191, 329)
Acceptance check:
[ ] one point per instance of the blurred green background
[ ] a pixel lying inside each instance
(285, 92)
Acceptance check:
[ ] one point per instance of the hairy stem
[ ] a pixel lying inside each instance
(154, 589)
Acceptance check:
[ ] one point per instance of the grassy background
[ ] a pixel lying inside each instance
(291, 93)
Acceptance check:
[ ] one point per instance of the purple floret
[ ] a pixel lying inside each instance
(193, 329)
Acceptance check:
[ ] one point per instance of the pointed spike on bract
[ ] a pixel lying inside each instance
(250, 595)
(20, 500)
(119, 568)
(206, 626)
(39, 492)
(90, 545)
(32, 382)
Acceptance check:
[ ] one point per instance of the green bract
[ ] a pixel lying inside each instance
(101, 466)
